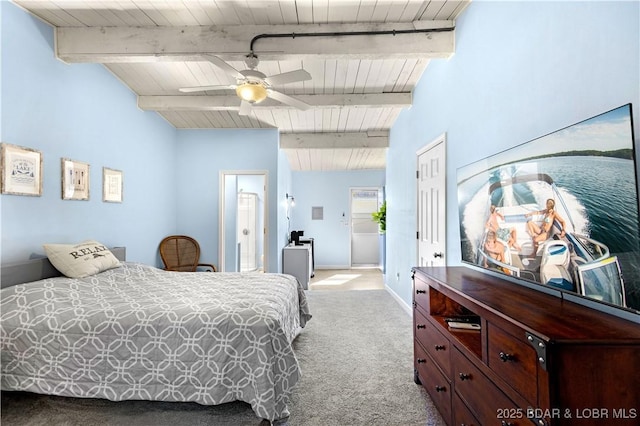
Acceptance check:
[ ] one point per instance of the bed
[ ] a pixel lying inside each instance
(135, 332)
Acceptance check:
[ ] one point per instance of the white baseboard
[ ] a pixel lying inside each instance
(318, 267)
(398, 299)
(343, 267)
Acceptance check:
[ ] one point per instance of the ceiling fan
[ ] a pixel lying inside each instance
(252, 86)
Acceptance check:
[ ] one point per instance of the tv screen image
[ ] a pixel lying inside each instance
(560, 210)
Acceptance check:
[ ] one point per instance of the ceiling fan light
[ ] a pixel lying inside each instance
(252, 92)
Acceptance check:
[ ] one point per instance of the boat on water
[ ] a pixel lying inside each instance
(565, 259)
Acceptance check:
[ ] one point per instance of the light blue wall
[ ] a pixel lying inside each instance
(82, 112)
(285, 186)
(330, 190)
(521, 70)
(1, 80)
(201, 155)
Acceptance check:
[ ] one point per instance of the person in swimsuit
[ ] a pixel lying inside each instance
(506, 234)
(495, 249)
(540, 233)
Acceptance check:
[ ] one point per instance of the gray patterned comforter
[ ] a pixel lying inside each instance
(138, 332)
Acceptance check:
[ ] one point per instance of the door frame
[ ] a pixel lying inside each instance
(440, 139)
(222, 207)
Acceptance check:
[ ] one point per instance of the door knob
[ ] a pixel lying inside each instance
(438, 254)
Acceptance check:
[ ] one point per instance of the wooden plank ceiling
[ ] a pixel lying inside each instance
(358, 86)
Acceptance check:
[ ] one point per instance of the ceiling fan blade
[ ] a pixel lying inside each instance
(286, 99)
(245, 108)
(224, 66)
(205, 88)
(288, 77)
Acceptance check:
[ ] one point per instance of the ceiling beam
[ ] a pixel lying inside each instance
(231, 102)
(334, 140)
(152, 44)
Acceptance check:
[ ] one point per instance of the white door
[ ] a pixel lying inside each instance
(365, 246)
(432, 204)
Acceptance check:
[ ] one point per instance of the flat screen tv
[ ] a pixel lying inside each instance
(560, 211)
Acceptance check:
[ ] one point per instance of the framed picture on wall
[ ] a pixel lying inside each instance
(21, 170)
(75, 180)
(112, 185)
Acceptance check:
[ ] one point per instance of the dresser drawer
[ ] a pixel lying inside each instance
(433, 341)
(437, 386)
(421, 295)
(461, 414)
(486, 402)
(515, 361)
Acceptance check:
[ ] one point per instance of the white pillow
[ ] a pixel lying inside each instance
(81, 260)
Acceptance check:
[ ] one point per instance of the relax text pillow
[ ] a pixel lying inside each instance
(80, 260)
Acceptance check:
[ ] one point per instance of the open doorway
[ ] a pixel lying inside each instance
(365, 245)
(242, 227)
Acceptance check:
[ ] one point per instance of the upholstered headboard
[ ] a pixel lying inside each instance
(38, 269)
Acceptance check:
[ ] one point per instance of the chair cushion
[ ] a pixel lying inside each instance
(557, 250)
(561, 283)
(81, 260)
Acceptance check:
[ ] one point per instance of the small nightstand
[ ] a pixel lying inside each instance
(296, 261)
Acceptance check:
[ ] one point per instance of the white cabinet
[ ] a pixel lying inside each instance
(296, 261)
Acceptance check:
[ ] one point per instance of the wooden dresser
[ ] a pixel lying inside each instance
(537, 359)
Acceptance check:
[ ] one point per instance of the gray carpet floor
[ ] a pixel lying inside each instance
(356, 357)
(347, 279)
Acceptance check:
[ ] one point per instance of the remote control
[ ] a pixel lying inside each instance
(464, 325)
(473, 319)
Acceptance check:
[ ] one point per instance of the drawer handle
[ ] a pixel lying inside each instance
(421, 291)
(440, 389)
(464, 376)
(439, 347)
(506, 357)
(421, 360)
(419, 326)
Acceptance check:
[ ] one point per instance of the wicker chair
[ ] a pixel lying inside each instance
(182, 253)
